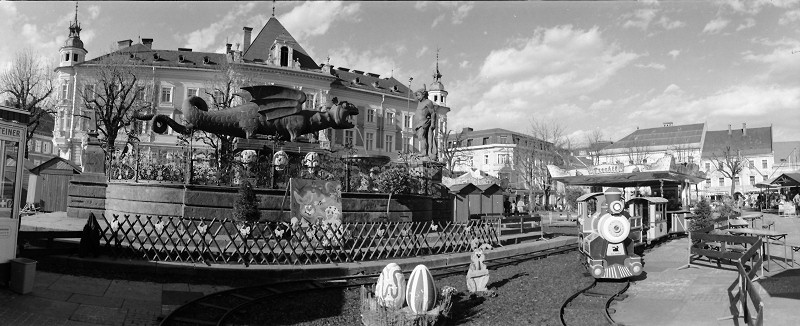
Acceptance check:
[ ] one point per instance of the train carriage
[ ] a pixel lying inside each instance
(652, 211)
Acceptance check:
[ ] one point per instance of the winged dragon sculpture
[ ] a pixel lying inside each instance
(273, 110)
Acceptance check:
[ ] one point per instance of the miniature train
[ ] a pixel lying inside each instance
(607, 236)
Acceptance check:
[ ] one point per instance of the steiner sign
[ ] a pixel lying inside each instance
(9, 133)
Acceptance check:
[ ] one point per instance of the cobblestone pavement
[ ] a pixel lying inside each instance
(77, 300)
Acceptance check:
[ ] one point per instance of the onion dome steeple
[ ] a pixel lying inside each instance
(73, 51)
(436, 93)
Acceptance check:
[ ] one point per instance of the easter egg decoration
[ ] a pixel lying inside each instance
(390, 290)
(421, 291)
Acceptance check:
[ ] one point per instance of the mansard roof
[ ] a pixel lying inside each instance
(357, 79)
(274, 30)
(756, 141)
(140, 53)
(661, 136)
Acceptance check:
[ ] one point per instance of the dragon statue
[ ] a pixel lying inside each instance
(273, 110)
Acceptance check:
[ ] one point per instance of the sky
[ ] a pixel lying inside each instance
(611, 66)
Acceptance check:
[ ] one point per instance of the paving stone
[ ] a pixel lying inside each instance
(134, 290)
(175, 287)
(208, 289)
(81, 284)
(142, 318)
(93, 300)
(43, 306)
(99, 315)
(142, 306)
(51, 294)
(179, 297)
(24, 318)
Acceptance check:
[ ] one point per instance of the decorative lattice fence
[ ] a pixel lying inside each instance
(215, 241)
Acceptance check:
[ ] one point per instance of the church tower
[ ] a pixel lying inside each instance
(436, 92)
(73, 51)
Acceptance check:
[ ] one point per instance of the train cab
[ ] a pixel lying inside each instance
(651, 213)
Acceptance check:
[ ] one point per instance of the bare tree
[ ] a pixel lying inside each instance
(682, 152)
(118, 94)
(638, 152)
(453, 149)
(223, 91)
(729, 161)
(29, 82)
(595, 144)
(530, 161)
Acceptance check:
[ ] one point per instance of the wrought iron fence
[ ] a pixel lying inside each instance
(223, 241)
(168, 165)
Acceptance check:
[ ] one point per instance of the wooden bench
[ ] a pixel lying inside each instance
(793, 247)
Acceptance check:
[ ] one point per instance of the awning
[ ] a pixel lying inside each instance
(787, 180)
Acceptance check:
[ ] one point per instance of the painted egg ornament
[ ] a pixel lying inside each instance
(390, 290)
(421, 291)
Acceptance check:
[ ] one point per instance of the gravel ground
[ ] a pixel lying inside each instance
(529, 293)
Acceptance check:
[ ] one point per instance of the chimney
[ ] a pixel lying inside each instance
(228, 48)
(466, 129)
(668, 124)
(730, 132)
(247, 31)
(124, 44)
(744, 129)
(148, 42)
(184, 49)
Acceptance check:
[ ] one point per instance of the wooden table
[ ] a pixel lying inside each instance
(752, 219)
(766, 236)
(737, 223)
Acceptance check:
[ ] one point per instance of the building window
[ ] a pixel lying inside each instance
(74, 57)
(37, 146)
(691, 159)
(166, 95)
(752, 179)
(763, 164)
(736, 180)
(370, 115)
(407, 144)
(485, 141)
(389, 143)
(66, 57)
(708, 167)
(46, 148)
(486, 159)
(752, 164)
(192, 91)
(407, 121)
(503, 139)
(348, 137)
(65, 91)
(469, 142)
(708, 182)
(502, 159)
(721, 181)
(369, 138)
(390, 118)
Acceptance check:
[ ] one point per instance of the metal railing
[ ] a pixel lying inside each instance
(223, 241)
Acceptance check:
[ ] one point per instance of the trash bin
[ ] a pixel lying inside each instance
(23, 271)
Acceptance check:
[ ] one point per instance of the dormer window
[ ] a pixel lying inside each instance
(206, 60)
(356, 81)
(180, 57)
(156, 57)
(394, 89)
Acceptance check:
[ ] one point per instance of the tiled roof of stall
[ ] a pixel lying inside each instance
(661, 136)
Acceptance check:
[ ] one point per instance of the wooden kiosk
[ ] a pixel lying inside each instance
(12, 137)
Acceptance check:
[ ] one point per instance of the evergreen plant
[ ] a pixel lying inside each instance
(246, 206)
(702, 216)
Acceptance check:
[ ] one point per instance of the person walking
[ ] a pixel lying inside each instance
(796, 201)
(521, 206)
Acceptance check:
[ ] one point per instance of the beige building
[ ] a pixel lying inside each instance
(273, 56)
(752, 144)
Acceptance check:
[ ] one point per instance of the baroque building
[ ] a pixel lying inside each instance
(386, 106)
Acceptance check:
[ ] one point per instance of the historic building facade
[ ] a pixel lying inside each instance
(386, 106)
(752, 145)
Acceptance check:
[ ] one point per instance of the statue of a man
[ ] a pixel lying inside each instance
(425, 125)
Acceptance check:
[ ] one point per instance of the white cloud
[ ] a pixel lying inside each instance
(652, 65)
(422, 51)
(674, 54)
(369, 61)
(538, 76)
(205, 39)
(789, 17)
(782, 65)
(670, 24)
(314, 18)
(463, 64)
(641, 18)
(459, 10)
(716, 25)
(748, 23)
(601, 105)
(94, 12)
(753, 7)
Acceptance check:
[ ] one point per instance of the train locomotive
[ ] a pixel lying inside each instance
(605, 236)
